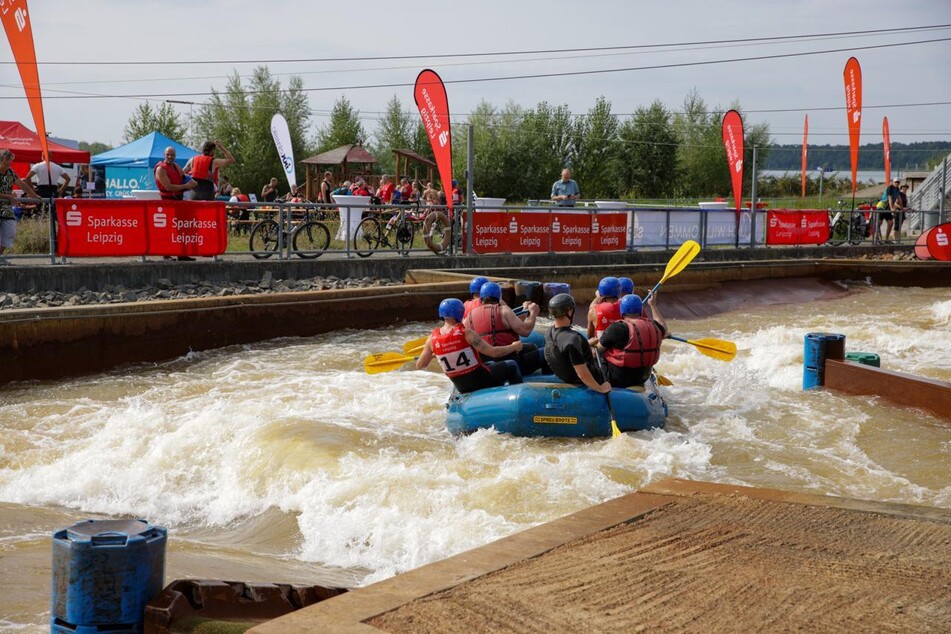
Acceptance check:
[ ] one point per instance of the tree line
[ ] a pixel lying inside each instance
(922, 155)
(519, 151)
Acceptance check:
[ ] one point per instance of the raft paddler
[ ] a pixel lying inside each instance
(607, 311)
(498, 325)
(459, 352)
(475, 287)
(632, 345)
(567, 350)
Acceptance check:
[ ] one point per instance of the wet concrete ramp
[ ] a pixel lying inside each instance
(679, 556)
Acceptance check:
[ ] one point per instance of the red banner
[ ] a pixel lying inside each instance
(853, 110)
(733, 142)
(16, 22)
(785, 226)
(544, 231)
(805, 146)
(888, 151)
(108, 228)
(939, 242)
(433, 105)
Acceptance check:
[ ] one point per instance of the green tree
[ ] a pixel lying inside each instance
(648, 153)
(396, 131)
(344, 127)
(595, 156)
(546, 135)
(94, 147)
(146, 119)
(241, 119)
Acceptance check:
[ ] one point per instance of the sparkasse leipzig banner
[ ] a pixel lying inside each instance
(16, 22)
(94, 227)
(433, 105)
(852, 75)
(733, 143)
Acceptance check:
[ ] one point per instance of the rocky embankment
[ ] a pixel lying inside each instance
(165, 289)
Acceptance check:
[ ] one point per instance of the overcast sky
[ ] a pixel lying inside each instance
(124, 30)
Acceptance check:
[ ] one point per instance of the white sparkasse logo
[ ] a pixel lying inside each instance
(20, 16)
(160, 219)
(942, 239)
(739, 166)
(74, 218)
(443, 138)
(855, 116)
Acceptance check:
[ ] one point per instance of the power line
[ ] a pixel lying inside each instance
(838, 34)
(601, 71)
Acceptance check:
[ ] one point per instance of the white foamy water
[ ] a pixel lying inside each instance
(287, 450)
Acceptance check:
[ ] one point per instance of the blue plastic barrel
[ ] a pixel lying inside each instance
(818, 347)
(555, 288)
(528, 292)
(104, 573)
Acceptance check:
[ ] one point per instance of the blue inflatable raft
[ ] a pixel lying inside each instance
(545, 406)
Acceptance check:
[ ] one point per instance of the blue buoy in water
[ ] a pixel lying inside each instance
(104, 573)
(819, 346)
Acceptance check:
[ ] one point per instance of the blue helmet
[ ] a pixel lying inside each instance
(476, 284)
(627, 286)
(452, 307)
(609, 287)
(631, 305)
(490, 290)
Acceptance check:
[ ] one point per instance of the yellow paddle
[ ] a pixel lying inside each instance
(385, 362)
(663, 380)
(415, 345)
(716, 348)
(684, 256)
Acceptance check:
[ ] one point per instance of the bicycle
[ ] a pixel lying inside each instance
(372, 234)
(847, 226)
(309, 239)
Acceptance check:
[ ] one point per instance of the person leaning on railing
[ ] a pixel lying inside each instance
(8, 220)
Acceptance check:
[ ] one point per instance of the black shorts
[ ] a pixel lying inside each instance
(490, 375)
(530, 359)
(885, 215)
(626, 377)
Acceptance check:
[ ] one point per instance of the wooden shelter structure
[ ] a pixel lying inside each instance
(346, 162)
(403, 160)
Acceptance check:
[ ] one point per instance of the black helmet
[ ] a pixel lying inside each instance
(560, 305)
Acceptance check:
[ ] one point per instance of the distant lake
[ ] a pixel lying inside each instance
(862, 176)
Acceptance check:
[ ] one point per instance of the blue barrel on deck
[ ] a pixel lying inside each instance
(554, 288)
(818, 347)
(104, 573)
(529, 292)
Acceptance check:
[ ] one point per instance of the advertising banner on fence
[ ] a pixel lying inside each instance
(805, 153)
(92, 227)
(122, 181)
(285, 151)
(609, 231)
(797, 227)
(888, 150)
(541, 231)
(939, 242)
(433, 105)
(853, 110)
(16, 23)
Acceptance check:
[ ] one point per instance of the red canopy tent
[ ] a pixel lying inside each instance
(25, 144)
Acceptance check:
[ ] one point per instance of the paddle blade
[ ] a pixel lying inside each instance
(413, 352)
(684, 256)
(409, 346)
(615, 432)
(716, 348)
(663, 380)
(385, 362)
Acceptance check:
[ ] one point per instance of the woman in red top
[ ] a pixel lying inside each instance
(204, 169)
(458, 349)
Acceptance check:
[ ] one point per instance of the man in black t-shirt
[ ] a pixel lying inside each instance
(567, 351)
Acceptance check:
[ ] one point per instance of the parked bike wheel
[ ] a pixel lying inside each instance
(264, 239)
(367, 238)
(838, 229)
(405, 234)
(310, 240)
(437, 232)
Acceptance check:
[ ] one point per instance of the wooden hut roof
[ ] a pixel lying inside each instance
(340, 155)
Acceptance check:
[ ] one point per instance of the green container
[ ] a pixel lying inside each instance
(865, 358)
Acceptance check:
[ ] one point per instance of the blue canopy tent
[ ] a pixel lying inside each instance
(131, 166)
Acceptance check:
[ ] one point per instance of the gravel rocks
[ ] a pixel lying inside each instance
(165, 289)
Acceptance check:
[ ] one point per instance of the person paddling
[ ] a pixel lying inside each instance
(475, 287)
(632, 345)
(567, 350)
(459, 352)
(498, 325)
(607, 311)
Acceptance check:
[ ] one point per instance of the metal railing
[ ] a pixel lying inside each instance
(932, 194)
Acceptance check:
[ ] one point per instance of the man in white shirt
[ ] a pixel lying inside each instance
(48, 181)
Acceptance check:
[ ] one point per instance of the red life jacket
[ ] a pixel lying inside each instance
(643, 345)
(454, 353)
(243, 198)
(487, 321)
(175, 177)
(606, 315)
(470, 304)
(201, 168)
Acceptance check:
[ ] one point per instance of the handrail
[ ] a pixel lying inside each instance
(927, 196)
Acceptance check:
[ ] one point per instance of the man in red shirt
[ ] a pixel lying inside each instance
(385, 192)
(169, 178)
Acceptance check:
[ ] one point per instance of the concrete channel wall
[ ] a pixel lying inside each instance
(57, 342)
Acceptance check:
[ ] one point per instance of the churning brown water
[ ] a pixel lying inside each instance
(284, 461)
